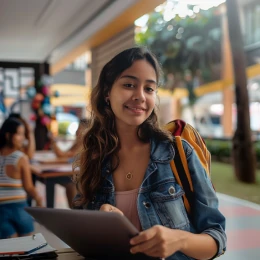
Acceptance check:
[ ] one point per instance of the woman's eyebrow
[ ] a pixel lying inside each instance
(135, 78)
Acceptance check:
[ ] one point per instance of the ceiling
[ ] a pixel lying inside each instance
(46, 30)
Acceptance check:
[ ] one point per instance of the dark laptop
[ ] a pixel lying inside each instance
(93, 234)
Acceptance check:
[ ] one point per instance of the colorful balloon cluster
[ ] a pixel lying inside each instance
(41, 100)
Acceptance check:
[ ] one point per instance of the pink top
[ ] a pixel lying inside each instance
(126, 202)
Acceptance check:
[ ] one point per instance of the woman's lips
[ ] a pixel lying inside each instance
(135, 108)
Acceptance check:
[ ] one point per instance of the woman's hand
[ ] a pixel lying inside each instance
(157, 241)
(110, 208)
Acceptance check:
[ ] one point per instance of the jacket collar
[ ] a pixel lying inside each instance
(161, 151)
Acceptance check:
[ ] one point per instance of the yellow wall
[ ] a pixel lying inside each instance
(70, 94)
(219, 85)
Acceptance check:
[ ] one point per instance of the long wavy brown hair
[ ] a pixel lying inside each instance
(101, 140)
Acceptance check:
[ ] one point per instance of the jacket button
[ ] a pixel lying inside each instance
(171, 190)
(147, 204)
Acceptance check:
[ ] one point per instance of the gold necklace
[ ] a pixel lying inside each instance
(129, 176)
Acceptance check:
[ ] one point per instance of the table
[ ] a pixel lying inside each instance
(70, 254)
(49, 170)
(48, 157)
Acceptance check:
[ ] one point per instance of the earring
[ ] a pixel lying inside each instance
(107, 101)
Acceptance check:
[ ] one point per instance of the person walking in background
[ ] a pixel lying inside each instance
(125, 166)
(15, 181)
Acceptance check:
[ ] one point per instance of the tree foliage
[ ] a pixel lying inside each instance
(191, 44)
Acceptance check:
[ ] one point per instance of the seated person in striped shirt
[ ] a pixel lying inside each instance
(28, 147)
(15, 182)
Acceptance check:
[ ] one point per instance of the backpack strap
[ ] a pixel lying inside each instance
(181, 173)
(190, 134)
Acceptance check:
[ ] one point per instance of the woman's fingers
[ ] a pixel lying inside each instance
(155, 242)
(144, 236)
(110, 208)
(143, 242)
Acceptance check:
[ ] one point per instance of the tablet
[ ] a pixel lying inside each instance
(93, 234)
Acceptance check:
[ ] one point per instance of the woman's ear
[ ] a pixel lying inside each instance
(107, 100)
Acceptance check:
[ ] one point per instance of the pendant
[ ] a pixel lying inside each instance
(129, 176)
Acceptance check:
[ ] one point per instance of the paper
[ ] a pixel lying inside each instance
(23, 244)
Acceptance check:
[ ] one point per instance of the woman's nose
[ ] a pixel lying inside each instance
(138, 95)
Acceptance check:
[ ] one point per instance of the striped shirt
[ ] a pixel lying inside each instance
(11, 190)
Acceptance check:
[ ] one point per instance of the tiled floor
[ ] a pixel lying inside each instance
(243, 226)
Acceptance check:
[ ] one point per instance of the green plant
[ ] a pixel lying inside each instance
(257, 149)
(219, 148)
(223, 148)
(62, 127)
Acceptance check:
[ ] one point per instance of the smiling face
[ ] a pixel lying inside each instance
(133, 94)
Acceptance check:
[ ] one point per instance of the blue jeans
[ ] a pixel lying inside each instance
(15, 220)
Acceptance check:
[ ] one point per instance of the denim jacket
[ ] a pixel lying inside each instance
(160, 197)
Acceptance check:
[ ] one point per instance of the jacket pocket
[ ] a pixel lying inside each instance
(168, 203)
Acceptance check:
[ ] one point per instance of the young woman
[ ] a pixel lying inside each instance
(15, 182)
(124, 166)
(28, 147)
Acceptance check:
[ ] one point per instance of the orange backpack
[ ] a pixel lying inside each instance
(182, 130)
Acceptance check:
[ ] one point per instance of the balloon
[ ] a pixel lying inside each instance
(58, 110)
(45, 120)
(46, 109)
(46, 100)
(45, 90)
(31, 92)
(56, 93)
(36, 104)
(38, 97)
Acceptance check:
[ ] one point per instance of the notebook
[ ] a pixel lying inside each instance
(22, 247)
(93, 234)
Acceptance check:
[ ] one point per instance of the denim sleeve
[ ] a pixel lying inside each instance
(206, 217)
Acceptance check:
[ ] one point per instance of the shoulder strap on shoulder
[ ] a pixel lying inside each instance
(176, 127)
(190, 134)
(181, 172)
